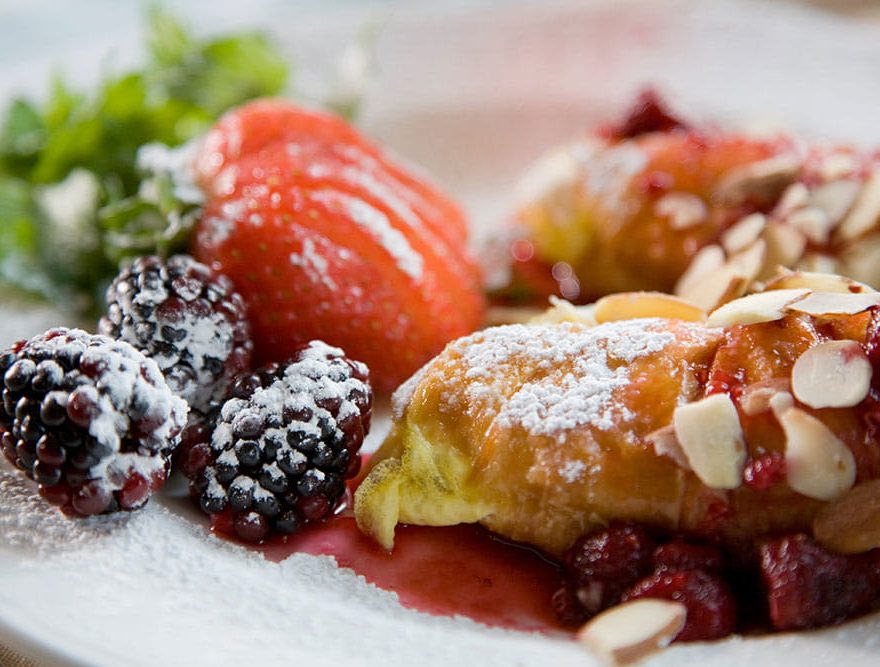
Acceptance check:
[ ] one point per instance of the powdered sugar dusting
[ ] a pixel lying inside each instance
(578, 370)
(128, 383)
(296, 401)
(158, 581)
(314, 263)
(379, 226)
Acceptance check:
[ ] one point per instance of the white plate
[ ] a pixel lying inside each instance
(473, 95)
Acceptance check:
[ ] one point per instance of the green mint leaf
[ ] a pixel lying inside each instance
(168, 40)
(22, 132)
(19, 239)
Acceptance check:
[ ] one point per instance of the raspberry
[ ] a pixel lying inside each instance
(284, 444)
(765, 471)
(680, 555)
(600, 566)
(711, 609)
(91, 420)
(187, 318)
(648, 114)
(567, 607)
(808, 587)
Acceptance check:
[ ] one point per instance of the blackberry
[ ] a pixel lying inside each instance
(284, 444)
(187, 318)
(90, 419)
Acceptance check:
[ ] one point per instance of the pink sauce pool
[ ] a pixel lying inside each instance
(456, 570)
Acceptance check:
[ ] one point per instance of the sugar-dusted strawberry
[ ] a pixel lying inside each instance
(327, 238)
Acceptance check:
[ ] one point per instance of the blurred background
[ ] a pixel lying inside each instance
(475, 90)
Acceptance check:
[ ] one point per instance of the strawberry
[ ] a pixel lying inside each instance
(326, 238)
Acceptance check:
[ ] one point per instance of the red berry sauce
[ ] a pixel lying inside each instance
(457, 570)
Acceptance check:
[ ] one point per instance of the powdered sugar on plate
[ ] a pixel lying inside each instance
(163, 590)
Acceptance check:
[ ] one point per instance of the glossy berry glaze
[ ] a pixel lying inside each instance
(450, 571)
(457, 570)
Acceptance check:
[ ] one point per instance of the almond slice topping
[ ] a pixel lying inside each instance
(796, 196)
(851, 524)
(708, 259)
(814, 223)
(836, 198)
(755, 308)
(820, 263)
(838, 165)
(682, 209)
(711, 438)
(785, 244)
(633, 630)
(817, 463)
(834, 303)
(561, 310)
(758, 396)
(818, 282)
(865, 213)
(833, 374)
(766, 179)
(861, 260)
(730, 280)
(745, 232)
(665, 443)
(781, 402)
(633, 305)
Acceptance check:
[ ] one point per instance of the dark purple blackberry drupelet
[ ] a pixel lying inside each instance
(186, 317)
(284, 444)
(90, 419)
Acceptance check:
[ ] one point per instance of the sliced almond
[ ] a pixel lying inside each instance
(818, 282)
(813, 223)
(706, 265)
(835, 198)
(712, 440)
(682, 209)
(781, 402)
(755, 308)
(718, 287)
(834, 303)
(766, 179)
(819, 263)
(561, 310)
(785, 244)
(796, 196)
(750, 260)
(837, 165)
(818, 464)
(833, 374)
(665, 443)
(731, 280)
(708, 259)
(865, 213)
(851, 524)
(633, 630)
(633, 305)
(756, 397)
(745, 232)
(861, 260)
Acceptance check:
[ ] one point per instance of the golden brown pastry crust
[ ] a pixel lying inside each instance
(540, 432)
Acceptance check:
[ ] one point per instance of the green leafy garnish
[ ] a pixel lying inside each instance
(73, 199)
